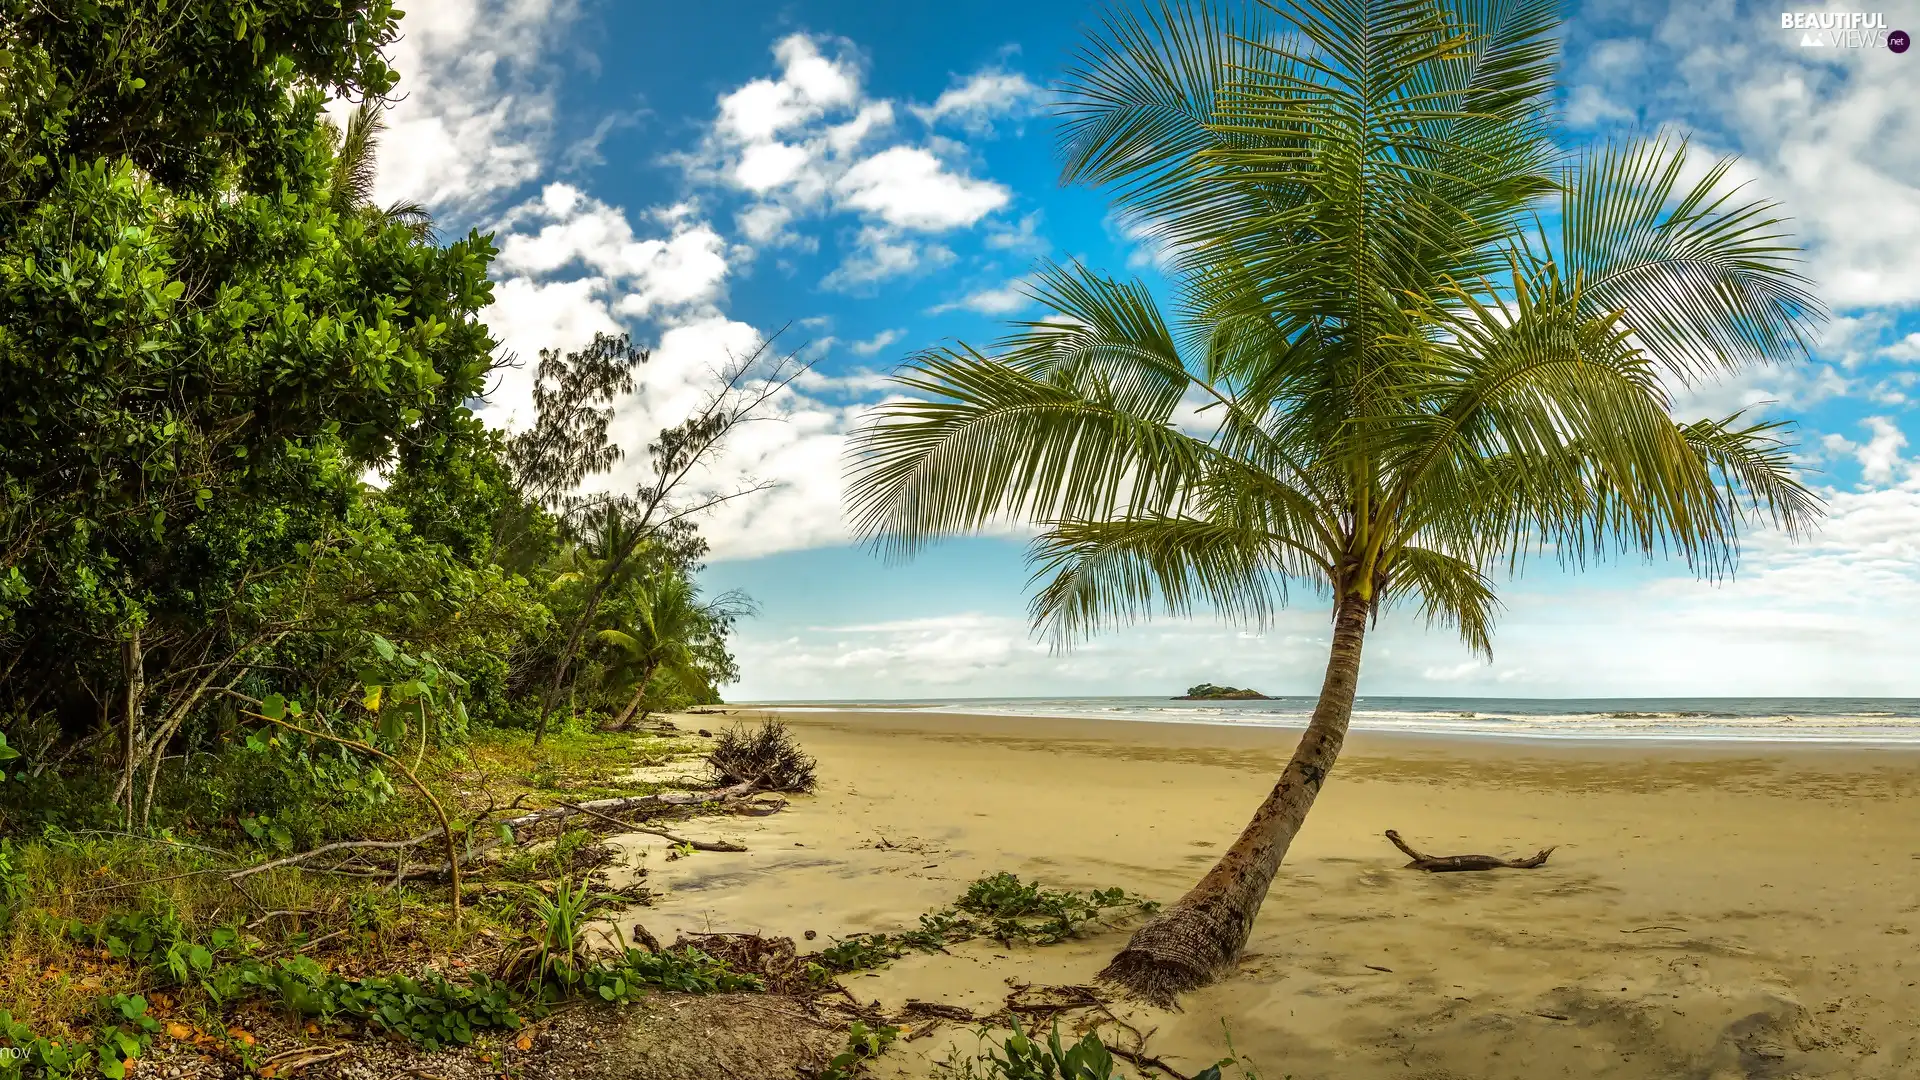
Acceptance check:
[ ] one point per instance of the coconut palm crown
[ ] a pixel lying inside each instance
(356, 168)
(1415, 342)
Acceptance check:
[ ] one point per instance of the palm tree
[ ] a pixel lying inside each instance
(669, 631)
(1416, 342)
(350, 187)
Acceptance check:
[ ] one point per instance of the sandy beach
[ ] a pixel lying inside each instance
(1712, 911)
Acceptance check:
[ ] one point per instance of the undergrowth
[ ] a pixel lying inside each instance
(107, 937)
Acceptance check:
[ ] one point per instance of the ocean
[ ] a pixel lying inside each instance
(1852, 721)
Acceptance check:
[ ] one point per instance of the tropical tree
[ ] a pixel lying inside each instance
(670, 630)
(1417, 342)
(573, 399)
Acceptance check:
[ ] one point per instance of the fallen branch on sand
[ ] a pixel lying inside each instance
(697, 845)
(1441, 864)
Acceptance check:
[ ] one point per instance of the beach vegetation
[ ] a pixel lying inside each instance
(1212, 692)
(864, 1043)
(1416, 341)
(1018, 1055)
(667, 629)
(999, 907)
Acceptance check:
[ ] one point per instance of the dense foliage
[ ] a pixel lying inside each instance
(238, 461)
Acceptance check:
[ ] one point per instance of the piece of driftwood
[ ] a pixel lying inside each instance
(1441, 864)
(697, 845)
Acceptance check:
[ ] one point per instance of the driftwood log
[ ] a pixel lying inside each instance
(1441, 864)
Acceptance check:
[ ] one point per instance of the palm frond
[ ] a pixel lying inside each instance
(354, 163)
(1449, 592)
(985, 441)
(1755, 468)
(1400, 381)
(1705, 280)
(621, 640)
(1098, 574)
(415, 217)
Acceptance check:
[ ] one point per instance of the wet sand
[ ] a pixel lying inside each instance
(1712, 911)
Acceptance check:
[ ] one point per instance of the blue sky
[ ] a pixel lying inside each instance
(878, 177)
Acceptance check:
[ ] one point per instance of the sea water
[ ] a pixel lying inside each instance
(1861, 721)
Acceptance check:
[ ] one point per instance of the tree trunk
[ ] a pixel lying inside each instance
(552, 696)
(639, 692)
(1193, 941)
(136, 689)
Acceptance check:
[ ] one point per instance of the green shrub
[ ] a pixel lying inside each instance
(124, 1032)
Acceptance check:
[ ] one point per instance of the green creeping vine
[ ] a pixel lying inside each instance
(1000, 907)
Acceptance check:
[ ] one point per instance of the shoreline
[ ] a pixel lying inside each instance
(1727, 910)
(1816, 743)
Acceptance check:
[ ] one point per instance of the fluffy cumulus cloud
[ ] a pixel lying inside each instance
(573, 266)
(808, 141)
(788, 455)
(907, 187)
(473, 114)
(685, 268)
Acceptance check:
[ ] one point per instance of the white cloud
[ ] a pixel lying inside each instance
(975, 102)
(809, 85)
(527, 316)
(795, 445)
(1004, 300)
(909, 188)
(1588, 107)
(1879, 457)
(659, 275)
(880, 253)
(1906, 350)
(473, 112)
(585, 151)
(1021, 236)
(877, 342)
(807, 141)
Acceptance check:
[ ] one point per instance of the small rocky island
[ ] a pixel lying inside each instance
(1206, 691)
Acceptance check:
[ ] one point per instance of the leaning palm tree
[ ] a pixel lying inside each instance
(355, 168)
(1417, 343)
(669, 632)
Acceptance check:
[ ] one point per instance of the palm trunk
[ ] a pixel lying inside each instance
(639, 692)
(1193, 941)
